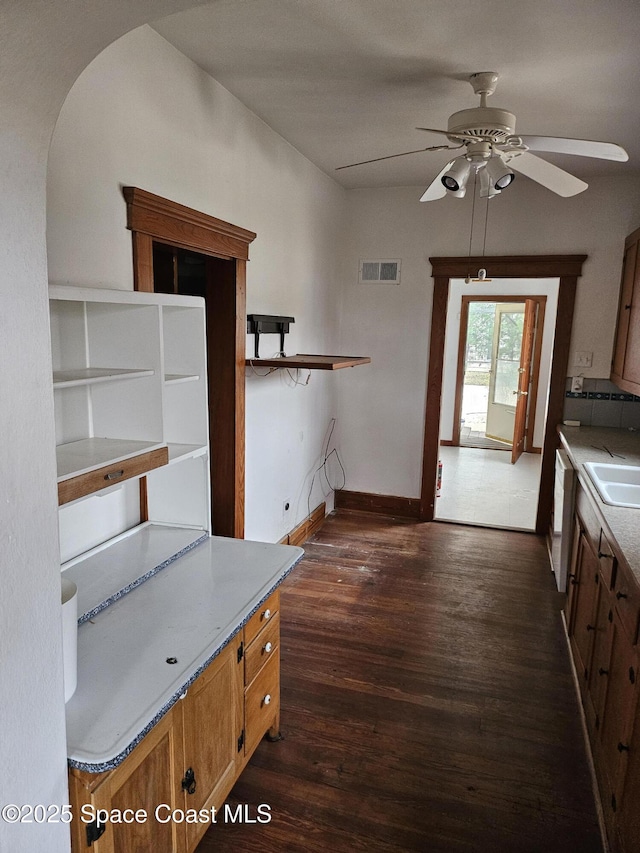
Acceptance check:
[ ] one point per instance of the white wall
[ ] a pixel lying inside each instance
(144, 115)
(43, 46)
(510, 287)
(382, 408)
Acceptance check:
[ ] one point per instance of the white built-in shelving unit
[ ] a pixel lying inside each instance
(130, 399)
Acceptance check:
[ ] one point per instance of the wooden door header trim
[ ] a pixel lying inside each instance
(504, 266)
(176, 224)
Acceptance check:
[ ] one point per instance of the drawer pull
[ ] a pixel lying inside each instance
(591, 627)
(267, 699)
(267, 648)
(602, 555)
(266, 614)
(623, 747)
(114, 475)
(620, 595)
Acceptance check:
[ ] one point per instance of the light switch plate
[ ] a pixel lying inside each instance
(583, 359)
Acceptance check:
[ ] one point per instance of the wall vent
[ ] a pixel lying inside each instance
(379, 272)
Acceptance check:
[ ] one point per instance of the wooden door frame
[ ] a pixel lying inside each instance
(566, 268)
(462, 345)
(151, 217)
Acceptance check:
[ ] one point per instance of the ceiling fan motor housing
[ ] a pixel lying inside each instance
(485, 122)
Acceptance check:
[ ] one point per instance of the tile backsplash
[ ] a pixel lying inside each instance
(601, 403)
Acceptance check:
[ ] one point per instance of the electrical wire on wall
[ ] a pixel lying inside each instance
(322, 469)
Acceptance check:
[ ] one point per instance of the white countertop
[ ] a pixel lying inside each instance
(189, 611)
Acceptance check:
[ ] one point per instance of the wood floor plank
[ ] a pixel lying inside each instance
(427, 701)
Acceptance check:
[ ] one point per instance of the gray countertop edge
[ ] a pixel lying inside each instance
(621, 523)
(111, 764)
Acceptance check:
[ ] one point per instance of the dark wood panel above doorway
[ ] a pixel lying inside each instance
(168, 239)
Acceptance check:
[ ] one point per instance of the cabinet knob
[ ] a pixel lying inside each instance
(267, 699)
(267, 647)
(602, 671)
(266, 614)
(620, 595)
(622, 747)
(591, 627)
(604, 556)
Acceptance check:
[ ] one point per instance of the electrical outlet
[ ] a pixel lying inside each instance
(576, 384)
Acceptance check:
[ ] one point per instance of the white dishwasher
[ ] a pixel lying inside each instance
(562, 531)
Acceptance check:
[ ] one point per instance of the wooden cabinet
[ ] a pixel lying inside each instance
(625, 368)
(149, 777)
(187, 764)
(262, 673)
(212, 728)
(603, 607)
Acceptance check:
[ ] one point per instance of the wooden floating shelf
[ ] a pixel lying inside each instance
(310, 362)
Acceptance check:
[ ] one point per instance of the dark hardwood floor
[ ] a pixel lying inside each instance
(427, 701)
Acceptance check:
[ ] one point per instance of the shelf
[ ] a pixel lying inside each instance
(310, 362)
(185, 451)
(80, 457)
(175, 378)
(93, 375)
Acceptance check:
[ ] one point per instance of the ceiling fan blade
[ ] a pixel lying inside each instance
(391, 156)
(545, 173)
(580, 147)
(436, 188)
(461, 136)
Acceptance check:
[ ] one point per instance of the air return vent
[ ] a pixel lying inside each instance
(379, 272)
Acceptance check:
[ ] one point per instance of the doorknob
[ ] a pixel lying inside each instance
(521, 393)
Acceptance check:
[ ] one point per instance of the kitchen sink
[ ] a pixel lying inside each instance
(618, 485)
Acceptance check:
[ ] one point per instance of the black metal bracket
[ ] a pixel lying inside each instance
(268, 324)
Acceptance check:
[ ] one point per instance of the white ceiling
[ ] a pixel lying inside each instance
(349, 80)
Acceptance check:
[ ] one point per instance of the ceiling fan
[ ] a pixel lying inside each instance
(493, 153)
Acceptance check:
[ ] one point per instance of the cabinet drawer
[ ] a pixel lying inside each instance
(627, 601)
(110, 475)
(262, 702)
(262, 648)
(265, 612)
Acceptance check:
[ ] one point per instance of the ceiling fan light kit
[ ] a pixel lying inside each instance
(494, 153)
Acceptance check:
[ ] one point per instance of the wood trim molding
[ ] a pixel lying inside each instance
(306, 528)
(150, 217)
(504, 266)
(165, 220)
(565, 267)
(382, 504)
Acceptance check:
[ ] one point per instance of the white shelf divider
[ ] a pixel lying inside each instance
(94, 375)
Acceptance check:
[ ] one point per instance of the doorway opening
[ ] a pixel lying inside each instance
(497, 372)
(499, 360)
(180, 250)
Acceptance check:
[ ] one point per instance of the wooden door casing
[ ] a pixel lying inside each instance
(151, 219)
